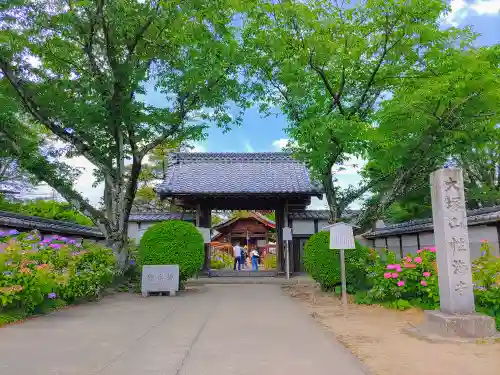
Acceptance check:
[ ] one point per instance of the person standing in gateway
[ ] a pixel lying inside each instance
(237, 256)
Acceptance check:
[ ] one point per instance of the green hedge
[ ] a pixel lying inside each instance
(323, 263)
(173, 242)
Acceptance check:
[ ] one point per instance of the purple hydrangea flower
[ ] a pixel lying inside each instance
(63, 239)
(52, 295)
(71, 242)
(13, 232)
(132, 262)
(55, 245)
(78, 245)
(55, 237)
(47, 240)
(2, 234)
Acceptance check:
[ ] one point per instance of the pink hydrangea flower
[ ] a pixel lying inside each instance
(484, 241)
(419, 251)
(387, 275)
(432, 249)
(401, 283)
(390, 266)
(427, 274)
(418, 260)
(423, 282)
(395, 275)
(398, 268)
(408, 259)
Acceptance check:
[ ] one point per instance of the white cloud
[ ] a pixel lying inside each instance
(248, 146)
(196, 147)
(482, 7)
(280, 144)
(460, 10)
(83, 184)
(318, 204)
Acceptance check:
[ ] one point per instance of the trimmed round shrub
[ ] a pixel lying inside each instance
(323, 263)
(173, 242)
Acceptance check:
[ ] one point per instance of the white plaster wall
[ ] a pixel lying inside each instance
(322, 224)
(364, 241)
(133, 231)
(303, 227)
(379, 243)
(482, 232)
(476, 234)
(393, 245)
(410, 244)
(427, 239)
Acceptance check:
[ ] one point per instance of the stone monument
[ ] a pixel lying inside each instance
(457, 316)
(160, 278)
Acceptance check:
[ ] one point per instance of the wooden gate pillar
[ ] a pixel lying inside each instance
(280, 248)
(204, 220)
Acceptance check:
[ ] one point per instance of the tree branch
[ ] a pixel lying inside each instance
(34, 109)
(141, 31)
(385, 50)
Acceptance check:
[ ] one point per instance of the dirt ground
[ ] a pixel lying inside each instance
(374, 334)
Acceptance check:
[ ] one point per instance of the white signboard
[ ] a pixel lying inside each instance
(205, 232)
(341, 236)
(161, 278)
(287, 234)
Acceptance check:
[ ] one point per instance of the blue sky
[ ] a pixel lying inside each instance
(267, 134)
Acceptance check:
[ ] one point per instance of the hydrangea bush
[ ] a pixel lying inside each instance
(413, 280)
(486, 277)
(221, 260)
(35, 274)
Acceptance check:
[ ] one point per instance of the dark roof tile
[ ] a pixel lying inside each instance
(233, 173)
(319, 214)
(474, 217)
(14, 220)
(161, 216)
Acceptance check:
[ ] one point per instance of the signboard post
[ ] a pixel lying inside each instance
(342, 238)
(287, 236)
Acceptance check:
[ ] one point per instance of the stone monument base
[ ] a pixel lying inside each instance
(455, 326)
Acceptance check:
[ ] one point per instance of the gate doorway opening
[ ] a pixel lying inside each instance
(271, 181)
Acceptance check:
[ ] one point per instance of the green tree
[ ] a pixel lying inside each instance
(216, 220)
(328, 66)
(449, 112)
(48, 209)
(81, 70)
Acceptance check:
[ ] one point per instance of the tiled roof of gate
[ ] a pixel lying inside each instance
(14, 220)
(319, 214)
(160, 216)
(474, 217)
(233, 173)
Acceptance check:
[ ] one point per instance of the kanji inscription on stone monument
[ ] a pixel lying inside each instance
(452, 241)
(160, 278)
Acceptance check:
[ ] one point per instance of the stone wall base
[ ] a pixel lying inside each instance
(470, 326)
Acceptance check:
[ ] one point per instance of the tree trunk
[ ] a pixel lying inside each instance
(331, 196)
(117, 241)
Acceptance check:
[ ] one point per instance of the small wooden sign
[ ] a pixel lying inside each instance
(287, 234)
(341, 236)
